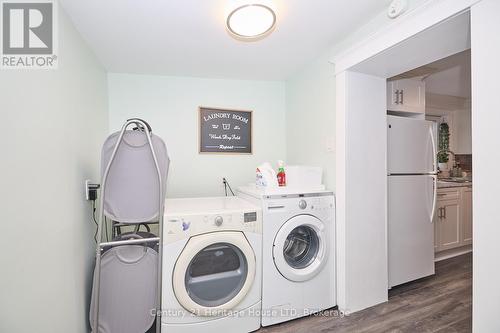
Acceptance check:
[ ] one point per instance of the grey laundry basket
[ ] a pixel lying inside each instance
(129, 289)
(127, 277)
(131, 194)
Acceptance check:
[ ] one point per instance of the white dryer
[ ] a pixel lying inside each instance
(211, 265)
(298, 252)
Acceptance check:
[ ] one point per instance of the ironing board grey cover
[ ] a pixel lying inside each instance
(131, 192)
(128, 290)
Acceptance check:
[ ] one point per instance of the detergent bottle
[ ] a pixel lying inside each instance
(281, 174)
(266, 176)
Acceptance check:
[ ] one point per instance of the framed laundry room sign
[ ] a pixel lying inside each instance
(224, 131)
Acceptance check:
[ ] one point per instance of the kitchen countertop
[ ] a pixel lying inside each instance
(450, 184)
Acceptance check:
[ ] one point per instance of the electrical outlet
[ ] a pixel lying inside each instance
(91, 190)
(87, 189)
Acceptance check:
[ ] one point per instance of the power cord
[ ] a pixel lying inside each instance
(226, 186)
(106, 228)
(95, 221)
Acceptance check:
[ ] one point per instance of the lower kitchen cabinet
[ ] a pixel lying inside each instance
(448, 224)
(467, 216)
(453, 219)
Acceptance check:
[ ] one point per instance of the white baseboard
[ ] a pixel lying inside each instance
(447, 254)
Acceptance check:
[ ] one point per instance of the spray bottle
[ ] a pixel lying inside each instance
(281, 174)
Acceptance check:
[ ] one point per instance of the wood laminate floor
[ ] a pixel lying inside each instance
(441, 303)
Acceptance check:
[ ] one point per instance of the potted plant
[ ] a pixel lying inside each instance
(444, 146)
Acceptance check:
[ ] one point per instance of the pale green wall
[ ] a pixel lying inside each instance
(310, 115)
(54, 123)
(170, 105)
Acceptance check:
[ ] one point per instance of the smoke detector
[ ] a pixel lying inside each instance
(396, 8)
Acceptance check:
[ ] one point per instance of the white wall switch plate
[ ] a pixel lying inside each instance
(330, 145)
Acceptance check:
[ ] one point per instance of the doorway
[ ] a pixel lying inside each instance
(424, 36)
(362, 153)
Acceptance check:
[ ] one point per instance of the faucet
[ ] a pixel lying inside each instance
(447, 151)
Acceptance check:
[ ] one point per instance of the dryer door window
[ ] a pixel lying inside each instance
(214, 272)
(300, 248)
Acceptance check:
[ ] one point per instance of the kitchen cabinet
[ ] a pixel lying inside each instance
(448, 224)
(462, 130)
(406, 95)
(467, 216)
(453, 219)
(456, 111)
(436, 231)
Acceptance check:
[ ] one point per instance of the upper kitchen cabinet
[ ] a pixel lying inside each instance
(462, 129)
(456, 112)
(448, 98)
(406, 95)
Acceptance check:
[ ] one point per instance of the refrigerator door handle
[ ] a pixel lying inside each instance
(434, 152)
(434, 178)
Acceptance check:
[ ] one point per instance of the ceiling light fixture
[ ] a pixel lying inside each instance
(251, 22)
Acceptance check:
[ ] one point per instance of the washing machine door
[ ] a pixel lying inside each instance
(299, 249)
(214, 272)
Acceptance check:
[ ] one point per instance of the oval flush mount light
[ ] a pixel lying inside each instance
(251, 22)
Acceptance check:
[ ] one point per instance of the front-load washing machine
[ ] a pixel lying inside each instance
(212, 265)
(298, 251)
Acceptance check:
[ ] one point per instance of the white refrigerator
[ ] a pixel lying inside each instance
(412, 186)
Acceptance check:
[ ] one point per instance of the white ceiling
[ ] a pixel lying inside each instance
(188, 37)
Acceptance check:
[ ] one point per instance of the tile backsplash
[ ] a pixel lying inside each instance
(465, 161)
